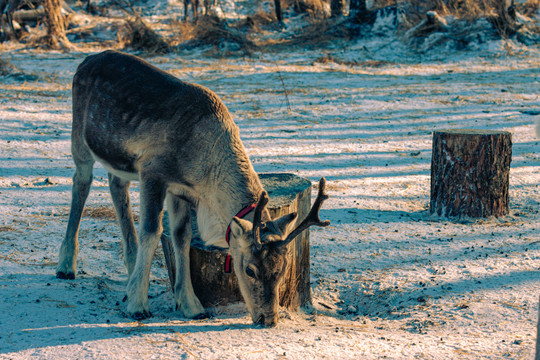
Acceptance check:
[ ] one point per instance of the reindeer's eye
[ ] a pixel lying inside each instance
(251, 272)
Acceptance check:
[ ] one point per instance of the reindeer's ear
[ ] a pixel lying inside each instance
(282, 226)
(238, 236)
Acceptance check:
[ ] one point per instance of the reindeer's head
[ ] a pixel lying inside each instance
(259, 250)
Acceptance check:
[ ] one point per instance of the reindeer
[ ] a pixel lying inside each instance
(180, 142)
(207, 4)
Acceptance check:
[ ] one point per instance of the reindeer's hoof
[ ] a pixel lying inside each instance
(141, 315)
(204, 315)
(200, 316)
(65, 275)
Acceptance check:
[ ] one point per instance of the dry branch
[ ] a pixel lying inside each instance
(141, 37)
(6, 68)
(211, 30)
(289, 109)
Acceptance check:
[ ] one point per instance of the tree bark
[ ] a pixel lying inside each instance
(288, 193)
(359, 12)
(279, 12)
(337, 7)
(357, 6)
(56, 27)
(470, 173)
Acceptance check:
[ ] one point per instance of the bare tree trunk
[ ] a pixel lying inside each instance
(357, 6)
(337, 7)
(279, 12)
(56, 27)
(358, 12)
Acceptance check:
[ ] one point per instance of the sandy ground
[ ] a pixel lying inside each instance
(388, 279)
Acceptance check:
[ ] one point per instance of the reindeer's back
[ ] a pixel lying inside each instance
(129, 84)
(123, 105)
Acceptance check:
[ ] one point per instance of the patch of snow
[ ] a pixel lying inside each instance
(388, 279)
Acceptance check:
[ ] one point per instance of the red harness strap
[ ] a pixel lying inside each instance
(241, 214)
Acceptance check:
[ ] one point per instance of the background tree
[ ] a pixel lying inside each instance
(357, 6)
(359, 13)
(279, 12)
(337, 7)
(56, 26)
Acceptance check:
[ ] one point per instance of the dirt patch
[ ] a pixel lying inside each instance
(330, 59)
(8, 229)
(103, 212)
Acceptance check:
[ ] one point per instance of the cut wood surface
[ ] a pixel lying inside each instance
(288, 193)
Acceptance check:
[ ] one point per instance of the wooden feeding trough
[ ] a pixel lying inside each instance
(288, 193)
(470, 173)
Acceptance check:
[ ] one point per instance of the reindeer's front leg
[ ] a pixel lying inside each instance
(180, 227)
(150, 229)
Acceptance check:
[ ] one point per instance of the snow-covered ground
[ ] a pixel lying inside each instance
(388, 280)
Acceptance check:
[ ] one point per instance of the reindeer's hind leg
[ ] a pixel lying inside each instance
(67, 262)
(120, 196)
(180, 227)
(82, 180)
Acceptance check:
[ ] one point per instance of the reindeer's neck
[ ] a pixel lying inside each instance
(236, 187)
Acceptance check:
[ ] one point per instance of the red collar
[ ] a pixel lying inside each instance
(241, 214)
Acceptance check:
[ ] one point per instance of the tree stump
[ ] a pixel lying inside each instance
(470, 173)
(288, 193)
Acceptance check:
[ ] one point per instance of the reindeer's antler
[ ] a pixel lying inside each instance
(313, 217)
(257, 218)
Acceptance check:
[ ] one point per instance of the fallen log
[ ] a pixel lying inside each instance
(26, 16)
